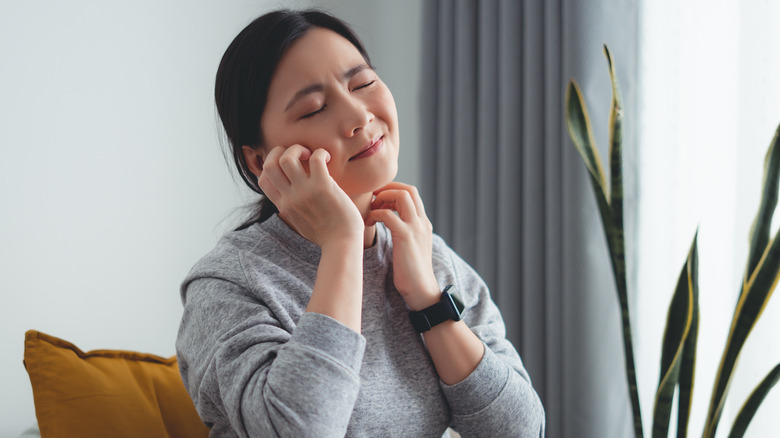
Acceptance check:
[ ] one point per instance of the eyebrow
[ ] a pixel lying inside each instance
(316, 88)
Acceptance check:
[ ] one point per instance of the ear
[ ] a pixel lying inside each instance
(254, 159)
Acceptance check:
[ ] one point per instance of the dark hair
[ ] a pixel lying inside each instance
(244, 76)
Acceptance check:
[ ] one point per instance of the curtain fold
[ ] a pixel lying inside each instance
(505, 187)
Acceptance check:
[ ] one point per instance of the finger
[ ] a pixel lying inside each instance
(382, 205)
(412, 190)
(417, 199)
(318, 163)
(291, 162)
(393, 185)
(272, 171)
(268, 189)
(401, 201)
(387, 217)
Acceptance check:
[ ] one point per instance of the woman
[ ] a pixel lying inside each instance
(306, 320)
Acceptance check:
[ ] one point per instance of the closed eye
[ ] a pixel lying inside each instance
(364, 85)
(313, 113)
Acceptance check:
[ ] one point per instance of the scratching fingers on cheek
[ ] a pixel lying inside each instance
(271, 169)
(318, 163)
(275, 175)
(304, 152)
(292, 166)
(321, 154)
(273, 156)
(295, 154)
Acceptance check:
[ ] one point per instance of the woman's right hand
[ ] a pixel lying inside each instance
(297, 181)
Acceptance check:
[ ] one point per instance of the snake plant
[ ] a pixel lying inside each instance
(678, 353)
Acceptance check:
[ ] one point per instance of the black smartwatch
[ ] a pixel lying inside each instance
(449, 308)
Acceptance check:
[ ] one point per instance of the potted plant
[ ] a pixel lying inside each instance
(678, 353)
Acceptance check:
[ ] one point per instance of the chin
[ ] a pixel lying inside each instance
(370, 183)
(388, 178)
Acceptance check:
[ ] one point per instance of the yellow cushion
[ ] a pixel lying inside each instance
(107, 393)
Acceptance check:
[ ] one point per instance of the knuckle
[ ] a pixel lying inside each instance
(275, 152)
(286, 160)
(272, 162)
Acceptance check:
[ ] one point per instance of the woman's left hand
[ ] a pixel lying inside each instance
(412, 235)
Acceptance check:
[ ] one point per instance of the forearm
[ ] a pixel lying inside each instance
(455, 350)
(338, 289)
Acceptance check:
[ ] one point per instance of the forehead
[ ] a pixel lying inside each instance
(313, 57)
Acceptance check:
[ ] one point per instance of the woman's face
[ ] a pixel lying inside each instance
(324, 95)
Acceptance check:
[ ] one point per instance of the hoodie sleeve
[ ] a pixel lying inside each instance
(497, 398)
(249, 376)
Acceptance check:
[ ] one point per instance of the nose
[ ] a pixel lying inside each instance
(356, 116)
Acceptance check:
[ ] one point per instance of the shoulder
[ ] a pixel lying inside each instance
(444, 257)
(224, 254)
(226, 261)
(450, 268)
(442, 253)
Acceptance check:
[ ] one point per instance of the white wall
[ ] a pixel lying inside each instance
(112, 182)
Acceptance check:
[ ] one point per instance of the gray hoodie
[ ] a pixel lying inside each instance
(257, 364)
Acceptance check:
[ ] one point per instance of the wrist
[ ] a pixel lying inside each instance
(348, 243)
(423, 297)
(448, 308)
(422, 301)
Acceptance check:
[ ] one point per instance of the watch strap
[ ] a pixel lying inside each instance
(446, 309)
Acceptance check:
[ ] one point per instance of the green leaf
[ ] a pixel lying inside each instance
(757, 292)
(615, 149)
(751, 405)
(581, 133)
(688, 365)
(615, 235)
(680, 320)
(759, 282)
(759, 233)
(610, 208)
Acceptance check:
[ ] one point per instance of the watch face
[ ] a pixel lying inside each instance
(453, 291)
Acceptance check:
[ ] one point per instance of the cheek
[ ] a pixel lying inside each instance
(269, 134)
(287, 133)
(386, 103)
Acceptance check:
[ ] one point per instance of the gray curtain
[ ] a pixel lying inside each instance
(505, 187)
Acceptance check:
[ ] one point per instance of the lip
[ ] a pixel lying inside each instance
(370, 148)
